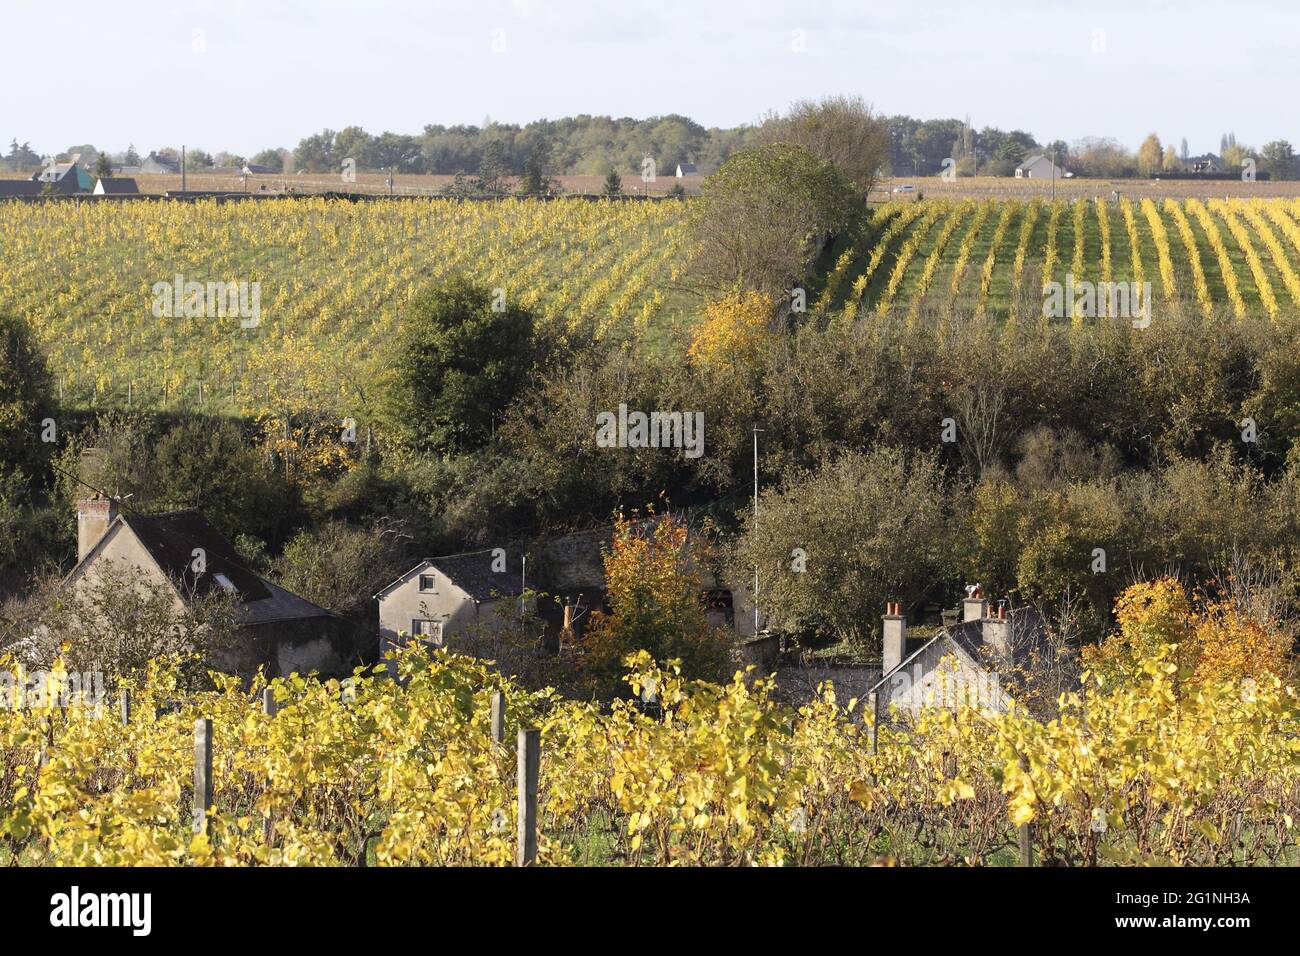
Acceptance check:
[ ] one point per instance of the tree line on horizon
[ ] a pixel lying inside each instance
(599, 145)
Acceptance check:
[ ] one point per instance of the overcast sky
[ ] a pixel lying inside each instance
(246, 74)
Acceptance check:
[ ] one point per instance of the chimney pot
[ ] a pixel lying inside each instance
(997, 636)
(893, 637)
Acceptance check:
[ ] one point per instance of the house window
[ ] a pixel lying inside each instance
(427, 582)
(427, 630)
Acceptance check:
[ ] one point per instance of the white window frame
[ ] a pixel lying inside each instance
(427, 629)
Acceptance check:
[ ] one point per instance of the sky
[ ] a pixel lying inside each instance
(243, 75)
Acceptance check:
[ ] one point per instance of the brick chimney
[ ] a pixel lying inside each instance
(96, 513)
(997, 635)
(974, 607)
(894, 633)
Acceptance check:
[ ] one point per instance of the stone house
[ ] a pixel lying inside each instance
(153, 163)
(1039, 167)
(977, 661)
(441, 598)
(65, 178)
(183, 552)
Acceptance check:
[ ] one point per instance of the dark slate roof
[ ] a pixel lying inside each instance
(282, 605)
(1026, 636)
(171, 538)
(119, 186)
(19, 187)
(473, 574)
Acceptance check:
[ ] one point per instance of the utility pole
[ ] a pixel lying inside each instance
(182, 167)
(756, 529)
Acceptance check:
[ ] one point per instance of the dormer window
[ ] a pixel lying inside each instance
(227, 585)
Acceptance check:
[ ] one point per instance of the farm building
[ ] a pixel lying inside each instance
(11, 188)
(66, 178)
(1039, 167)
(116, 186)
(153, 163)
(686, 169)
(976, 661)
(441, 598)
(280, 631)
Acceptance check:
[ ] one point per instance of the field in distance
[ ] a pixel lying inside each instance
(376, 184)
(996, 187)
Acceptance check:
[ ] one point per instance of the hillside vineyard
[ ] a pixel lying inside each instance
(330, 277)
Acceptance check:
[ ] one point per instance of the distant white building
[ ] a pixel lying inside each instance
(116, 186)
(1039, 167)
(153, 163)
(686, 169)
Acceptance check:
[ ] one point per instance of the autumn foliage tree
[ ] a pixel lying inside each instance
(1211, 640)
(653, 584)
(736, 331)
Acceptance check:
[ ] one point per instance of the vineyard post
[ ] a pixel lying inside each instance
(270, 707)
(202, 773)
(124, 706)
(529, 754)
(1025, 836)
(498, 717)
(1025, 833)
